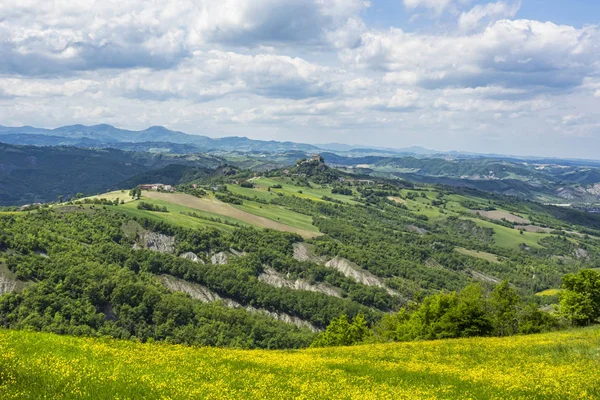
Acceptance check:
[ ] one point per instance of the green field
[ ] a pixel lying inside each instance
(478, 254)
(262, 184)
(175, 216)
(279, 214)
(561, 365)
(509, 237)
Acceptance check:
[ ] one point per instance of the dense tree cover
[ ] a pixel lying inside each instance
(469, 312)
(41, 174)
(89, 281)
(268, 248)
(342, 332)
(580, 299)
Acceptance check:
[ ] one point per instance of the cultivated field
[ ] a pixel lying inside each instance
(563, 365)
(217, 207)
(500, 215)
(112, 196)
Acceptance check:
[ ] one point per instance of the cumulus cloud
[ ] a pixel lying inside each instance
(56, 38)
(216, 73)
(507, 53)
(473, 18)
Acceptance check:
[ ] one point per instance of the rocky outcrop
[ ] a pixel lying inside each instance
(581, 253)
(192, 257)
(7, 284)
(195, 290)
(157, 242)
(300, 323)
(485, 278)
(416, 229)
(274, 278)
(304, 252)
(353, 271)
(220, 258)
(206, 295)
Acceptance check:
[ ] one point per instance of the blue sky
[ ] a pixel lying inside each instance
(503, 76)
(384, 13)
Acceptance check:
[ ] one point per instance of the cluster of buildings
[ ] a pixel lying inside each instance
(157, 187)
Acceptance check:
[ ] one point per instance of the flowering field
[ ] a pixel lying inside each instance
(563, 365)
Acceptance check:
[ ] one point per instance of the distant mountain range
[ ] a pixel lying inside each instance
(156, 136)
(158, 139)
(161, 139)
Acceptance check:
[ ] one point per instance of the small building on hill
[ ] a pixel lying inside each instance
(157, 187)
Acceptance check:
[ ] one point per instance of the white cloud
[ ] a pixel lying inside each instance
(57, 38)
(216, 73)
(520, 53)
(473, 18)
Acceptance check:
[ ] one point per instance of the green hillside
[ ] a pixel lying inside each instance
(551, 366)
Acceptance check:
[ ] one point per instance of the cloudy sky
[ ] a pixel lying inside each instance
(506, 76)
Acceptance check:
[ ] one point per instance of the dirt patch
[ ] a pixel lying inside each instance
(218, 207)
(397, 199)
(500, 215)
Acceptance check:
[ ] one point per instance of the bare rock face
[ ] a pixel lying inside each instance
(290, 319)
(220, 258)
(192, 257)
(206, 295)
(416, 229)
(581, 253)
(195, 290)
(274, 278)
(485, 278)
(158, 242)
(353, 271)
(304, 252)
(7, 284)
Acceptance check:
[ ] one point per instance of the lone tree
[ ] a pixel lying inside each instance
(580, 300)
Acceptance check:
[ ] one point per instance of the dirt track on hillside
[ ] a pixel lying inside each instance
(218, 207)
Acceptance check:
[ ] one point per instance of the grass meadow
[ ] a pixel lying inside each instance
(561, 365)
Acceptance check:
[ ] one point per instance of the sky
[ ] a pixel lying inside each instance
(517, 77)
